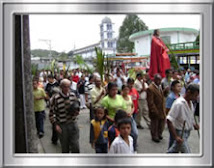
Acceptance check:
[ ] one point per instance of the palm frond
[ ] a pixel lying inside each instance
(174, 63)
(100, 62)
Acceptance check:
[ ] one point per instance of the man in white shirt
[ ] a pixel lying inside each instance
(141, 87)
(119, 79)
(181, 121)
(123, 144)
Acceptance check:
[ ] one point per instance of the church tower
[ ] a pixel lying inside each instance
(108, 41)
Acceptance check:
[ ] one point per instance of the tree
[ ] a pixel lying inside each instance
(131, 24)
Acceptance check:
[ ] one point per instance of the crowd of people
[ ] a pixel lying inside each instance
(118, 106)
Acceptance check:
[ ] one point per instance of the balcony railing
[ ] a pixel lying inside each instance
(185, 46)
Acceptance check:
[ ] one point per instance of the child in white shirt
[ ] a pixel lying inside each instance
(124, 142)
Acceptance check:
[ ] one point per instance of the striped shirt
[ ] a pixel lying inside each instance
(88, 88)
(59, 108)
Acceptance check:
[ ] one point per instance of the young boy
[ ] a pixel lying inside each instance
(39, 107)
(99, 131)
(124, 142)
(174, 94)
(180, 120)
(113, 131)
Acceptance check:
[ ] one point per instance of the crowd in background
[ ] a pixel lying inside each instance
(118, 106)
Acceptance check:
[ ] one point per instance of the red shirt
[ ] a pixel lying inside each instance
(75, 78)
(135, 96)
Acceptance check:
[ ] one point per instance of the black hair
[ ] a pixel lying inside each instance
(192, 87)
(124, 86)
(120, 114)
(91, 77)
(123, 121)
(50, 76)
(100, 107)
(168, 71)
(157, 76)
(138, 75)
(130, 80)
(196, 71)
(155, 32)
(175, 82)
(111, 85)
(147, 70)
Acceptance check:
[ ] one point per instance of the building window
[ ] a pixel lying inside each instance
(103, 45)
(109, 35)
(110, 45)
(101, 28)
(166, 39)
(102, 36)
(109, 26)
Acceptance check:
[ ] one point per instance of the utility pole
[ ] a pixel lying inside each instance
(48, 42)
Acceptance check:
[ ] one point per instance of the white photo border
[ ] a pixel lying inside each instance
(11, 7)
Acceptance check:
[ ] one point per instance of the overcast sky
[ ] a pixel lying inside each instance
(69, 31)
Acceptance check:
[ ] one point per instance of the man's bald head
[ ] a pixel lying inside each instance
(157, 79)
(65, 82)
(97, 81)
(65, 86)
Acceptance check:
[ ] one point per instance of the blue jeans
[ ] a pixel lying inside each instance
(134, 133)
(184, 147)
(101, 148)
(171, 139)
(40, 116)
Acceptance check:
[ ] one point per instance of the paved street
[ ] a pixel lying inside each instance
(145, 145)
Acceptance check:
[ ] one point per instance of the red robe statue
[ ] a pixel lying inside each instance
(159, 60)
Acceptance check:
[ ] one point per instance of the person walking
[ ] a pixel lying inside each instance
(63, 116)
(88, 87)
(141, 87)
(39, 107)
(156, 104)
(180, 120)
(130, 110)
(174, 94)
(97, 93)
(123, 144)
(113, 102)
(51, 85)
(99, 131)
(81, 90)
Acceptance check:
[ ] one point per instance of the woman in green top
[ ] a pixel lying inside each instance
(130, 110)
(113, 102)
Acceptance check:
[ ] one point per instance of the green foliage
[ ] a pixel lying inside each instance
(43, 53)
(34, 69)
(131, 24)
(62, 56)
(53, 66)
(83, 65)
(100, 62)
(80, 61)
(132, 73)
(174, 63)
(107, 68)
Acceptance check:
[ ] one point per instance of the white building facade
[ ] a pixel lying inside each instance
(142, 39)
(108, 41)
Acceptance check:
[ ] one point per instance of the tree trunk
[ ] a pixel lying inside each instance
(25, 131)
